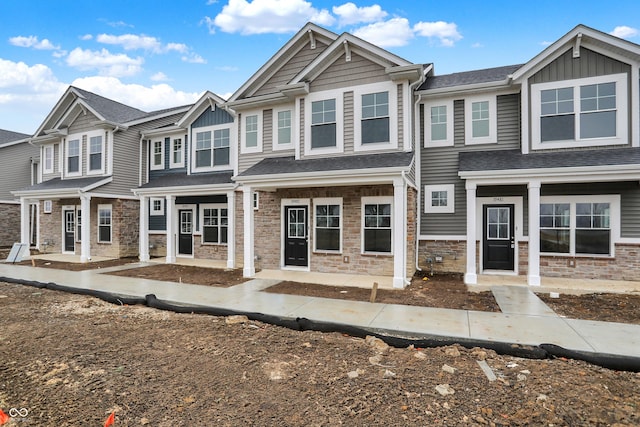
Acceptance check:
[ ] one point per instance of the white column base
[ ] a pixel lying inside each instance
(248, 272)
(533, 280)
(470, 279)
(399, 282)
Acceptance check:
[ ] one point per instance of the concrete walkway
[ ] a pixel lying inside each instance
(525, 319)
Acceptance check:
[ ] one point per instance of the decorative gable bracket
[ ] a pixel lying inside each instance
(576, 46)
(347, 51)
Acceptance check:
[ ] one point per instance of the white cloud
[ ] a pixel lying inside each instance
(446, 32)
(86, 37)
(193, 58)
(33, 42)
(159, 77)
(267, 16)
(394, 32)
(145, 98)
(131, 41)
(211, 25)
(349, 14)
(107, 64)
(625, 32)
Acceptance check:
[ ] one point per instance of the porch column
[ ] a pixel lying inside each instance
(231, 229)
(85, 227)
(247, 207)
(25, 238)
(143, 241)
(399, 233)
(171, 247)
(471, 277)
(533, 277)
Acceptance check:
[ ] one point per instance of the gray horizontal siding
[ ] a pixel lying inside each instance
(439, 165)
(356, 72)
(292, 67)
(15, 168)
(347, 128)
(246, 160)
(56, 164)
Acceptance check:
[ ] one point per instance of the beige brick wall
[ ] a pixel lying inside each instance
(268, 231)
(453, 253)
(208, 251)
(625, 265)
(157, 245)
(9, 224)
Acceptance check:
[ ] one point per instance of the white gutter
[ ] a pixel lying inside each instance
(186, 190)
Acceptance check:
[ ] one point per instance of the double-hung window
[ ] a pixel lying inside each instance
(283, 133)
(377, 224)
(375, 118)
(157, 155)
(579, 226)
(438, 128)
(323, 123)
(215, 224)
(480, 120)
(212, 148)
(104, 223)
(73, 157)
(328, 227)
(96, 154)
(221, 146)
(78, 224)
(251, 132)
(580, 112)
(48, 159)
(177, 153)
(203, 149)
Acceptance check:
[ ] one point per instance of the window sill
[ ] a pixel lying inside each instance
(322, 252)
(377, 254)
(583, 256)
(213, 244)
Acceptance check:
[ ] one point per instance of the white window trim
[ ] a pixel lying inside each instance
(153, 212)
(212, 129)
(338, 95)
(110, 208)
(75, 137)
(375, 200)
(152, 165)
(256, 201)
(47, 206)
(622, 112)
(45, 149)
(274, 144)
(102, 136)
(243, 137)
(78, 227)
(179, 164)
(327, 201)
(450, 190)
(614, 221)
(493, 120)
(201, 222)
(392, 89)
(449, 141)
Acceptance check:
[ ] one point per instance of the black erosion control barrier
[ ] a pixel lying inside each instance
(542, 351)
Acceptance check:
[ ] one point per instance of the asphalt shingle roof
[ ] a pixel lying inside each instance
(64, 184)
(289, 165)
(514, 159)
(111, 110)
(183, 180)
(7, 136)
(487, 75)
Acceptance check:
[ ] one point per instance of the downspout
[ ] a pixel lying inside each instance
(417, 146)
(140, 167)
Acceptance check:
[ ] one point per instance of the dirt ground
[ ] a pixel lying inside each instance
(72, 360)
(186, 274)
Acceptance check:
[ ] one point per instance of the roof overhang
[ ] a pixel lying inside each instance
(259, 101)
(167, 130)
(61, 193)
(207, 100)
(109, 125)
(605, 173)
(341, 178)
(502, 86)
(185, 190)
(412, 73)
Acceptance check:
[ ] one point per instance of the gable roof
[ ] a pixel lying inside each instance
(208, 99)
(309, 33)
(7, 137)
(487, 75)
(578, 36)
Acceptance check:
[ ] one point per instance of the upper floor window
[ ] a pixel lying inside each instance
(581, 112)
(95, 161)
(212, 148)
(282, 125)
(73, 157)
(177, 153)
(375, 117)
(323, 123)
(47, 166)
(480, 120)
(438, 126)
(251, 131)
(157, 155)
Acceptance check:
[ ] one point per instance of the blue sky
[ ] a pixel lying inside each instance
(153, 55)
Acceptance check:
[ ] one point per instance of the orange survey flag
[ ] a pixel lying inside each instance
(110, 420)
(3, 417)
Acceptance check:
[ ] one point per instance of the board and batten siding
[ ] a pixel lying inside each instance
(291, 68)
(15, 168)
(439, 165)
(589, 64)
(246, 160)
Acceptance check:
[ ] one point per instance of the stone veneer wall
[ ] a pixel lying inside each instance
(412, 228)
(625, 265)
(9, 224)
(51, 226)
(157, 245)
(453, 253)
(268, 225)
(208, 251)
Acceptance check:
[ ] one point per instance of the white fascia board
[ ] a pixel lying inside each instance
(191, 190)
(166, 131)
(554, 175)
(199, 107)
(56, 193)
(258, 101)
(44, 139)
(69, 92)
(97, 184)
(112, 196)
(11, 144)
(503, 87)
(321, 178)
